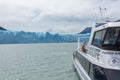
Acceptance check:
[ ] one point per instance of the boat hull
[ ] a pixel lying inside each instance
(89, 71)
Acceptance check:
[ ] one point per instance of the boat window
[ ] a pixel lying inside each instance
(113, 74)
(118, 41)
(98, 38)
(87, 64)
(112, 36)
(91, 73)
(108, 39)
(99, 73)
(84, 62)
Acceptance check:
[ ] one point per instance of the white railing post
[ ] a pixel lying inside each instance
(78, 42)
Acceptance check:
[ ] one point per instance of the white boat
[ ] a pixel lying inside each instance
(100, 58)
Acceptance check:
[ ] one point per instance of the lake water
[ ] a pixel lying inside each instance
(52, 61)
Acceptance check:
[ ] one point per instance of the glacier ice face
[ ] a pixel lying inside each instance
(9, 37)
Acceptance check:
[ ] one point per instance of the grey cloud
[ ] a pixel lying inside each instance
(35, 13)
(70, 19)
(47, 17)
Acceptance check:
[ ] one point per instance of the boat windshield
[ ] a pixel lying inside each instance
(108, 39)
(112, 37)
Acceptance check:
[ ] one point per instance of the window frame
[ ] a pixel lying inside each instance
(101, 37)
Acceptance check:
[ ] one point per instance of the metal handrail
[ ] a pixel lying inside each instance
(80, 43)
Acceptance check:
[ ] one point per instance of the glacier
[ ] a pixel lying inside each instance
(16, 37)
(10, 37)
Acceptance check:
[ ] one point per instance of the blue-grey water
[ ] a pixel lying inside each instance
(52, 61)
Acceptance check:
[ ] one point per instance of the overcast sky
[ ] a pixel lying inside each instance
(56, 16)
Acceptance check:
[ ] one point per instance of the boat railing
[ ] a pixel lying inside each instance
(82, 41)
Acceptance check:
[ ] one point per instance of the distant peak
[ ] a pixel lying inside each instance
(86, 30)
(1, 28)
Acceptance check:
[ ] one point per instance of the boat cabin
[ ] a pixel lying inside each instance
(107, 36)
(101, 59)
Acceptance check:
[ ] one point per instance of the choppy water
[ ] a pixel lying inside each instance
(37, 61)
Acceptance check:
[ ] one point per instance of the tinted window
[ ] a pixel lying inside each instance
(84, 62)
(118, 41)
(112, 36)
(113, 74)
(112, 39)
(91, 73)
(99, 73)
(108, 39)
(98, 38)
(87, 63)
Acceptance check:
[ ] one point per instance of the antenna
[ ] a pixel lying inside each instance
(96, 16)
(103, 13)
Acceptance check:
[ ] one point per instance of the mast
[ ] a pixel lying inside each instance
(103, 14)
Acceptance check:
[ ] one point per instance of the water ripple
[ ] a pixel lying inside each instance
(37, 62)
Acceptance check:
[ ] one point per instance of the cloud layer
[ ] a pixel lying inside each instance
(57, 16)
